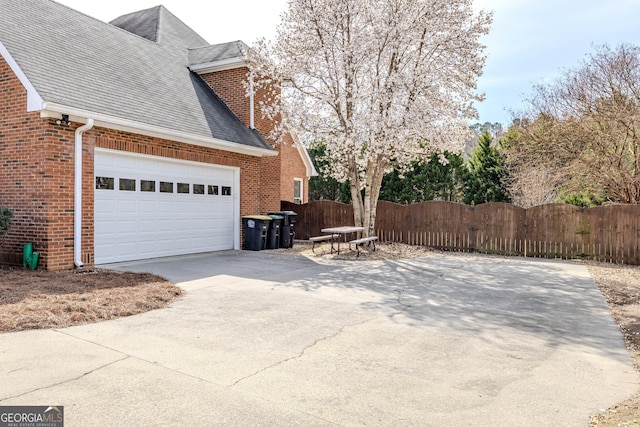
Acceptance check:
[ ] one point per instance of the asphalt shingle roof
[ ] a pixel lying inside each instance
(78, 61)
(217, 52)
(159, 25)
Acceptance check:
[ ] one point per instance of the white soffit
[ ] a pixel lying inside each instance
(221, 65)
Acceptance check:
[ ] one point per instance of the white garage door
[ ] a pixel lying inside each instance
(148, 207)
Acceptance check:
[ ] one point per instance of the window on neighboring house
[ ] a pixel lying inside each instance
(297, 191)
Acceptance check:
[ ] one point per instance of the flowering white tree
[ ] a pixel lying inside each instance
(380, 82)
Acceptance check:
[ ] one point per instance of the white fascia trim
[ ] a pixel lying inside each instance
(221, 65)
(304, 154)
(34, 100)
(50, 109)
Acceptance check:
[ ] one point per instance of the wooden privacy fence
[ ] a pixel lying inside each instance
(604, 233)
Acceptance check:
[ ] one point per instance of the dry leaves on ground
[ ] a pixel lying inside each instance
(44, 299)
(383, 250)
(620, 286)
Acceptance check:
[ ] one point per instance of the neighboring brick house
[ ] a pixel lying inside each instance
(113, 146)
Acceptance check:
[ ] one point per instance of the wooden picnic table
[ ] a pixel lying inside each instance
(340, 231)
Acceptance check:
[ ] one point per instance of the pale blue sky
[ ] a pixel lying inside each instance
(531, 41)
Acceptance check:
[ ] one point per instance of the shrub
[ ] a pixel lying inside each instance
(5, 222)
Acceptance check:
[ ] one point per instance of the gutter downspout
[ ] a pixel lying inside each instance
(251, 102)
(77, 194)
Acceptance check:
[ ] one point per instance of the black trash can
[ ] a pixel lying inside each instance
(287, 229)
(255, 232)
(273, 236)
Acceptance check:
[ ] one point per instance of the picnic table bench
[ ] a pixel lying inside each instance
(362, 241)
(340, 231)
(336, 233)
(317, 239)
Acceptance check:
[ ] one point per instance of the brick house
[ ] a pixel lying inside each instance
(129, 140)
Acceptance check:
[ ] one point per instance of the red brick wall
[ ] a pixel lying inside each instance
(36, 157)
(292, 167)
(230, 85)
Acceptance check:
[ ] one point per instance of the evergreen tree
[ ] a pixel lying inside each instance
(323, 186)
(435, 179)
(487, 175)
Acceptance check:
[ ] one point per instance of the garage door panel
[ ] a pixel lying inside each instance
(127, 227)
(181, 228)
(166, 206)
(146, 224)
(126, 246)
(127, 206)
(146, 227)
(147, 247)
(105, 205)
(183, 244)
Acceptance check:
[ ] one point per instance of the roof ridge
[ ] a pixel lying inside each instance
(164, 13)
(99, 20)
(132, 33)
(160, 23)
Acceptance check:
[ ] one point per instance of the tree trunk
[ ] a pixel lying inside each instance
(356, 194)
(364, 206)
(375, 174)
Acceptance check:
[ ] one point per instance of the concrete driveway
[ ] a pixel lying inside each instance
(271, 339)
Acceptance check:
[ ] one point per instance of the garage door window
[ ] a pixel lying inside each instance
(166, 187)
(127, 184)
(147, 186)
(183, 188)
(104, 183)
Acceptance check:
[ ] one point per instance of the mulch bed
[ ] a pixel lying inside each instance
(43, 299)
